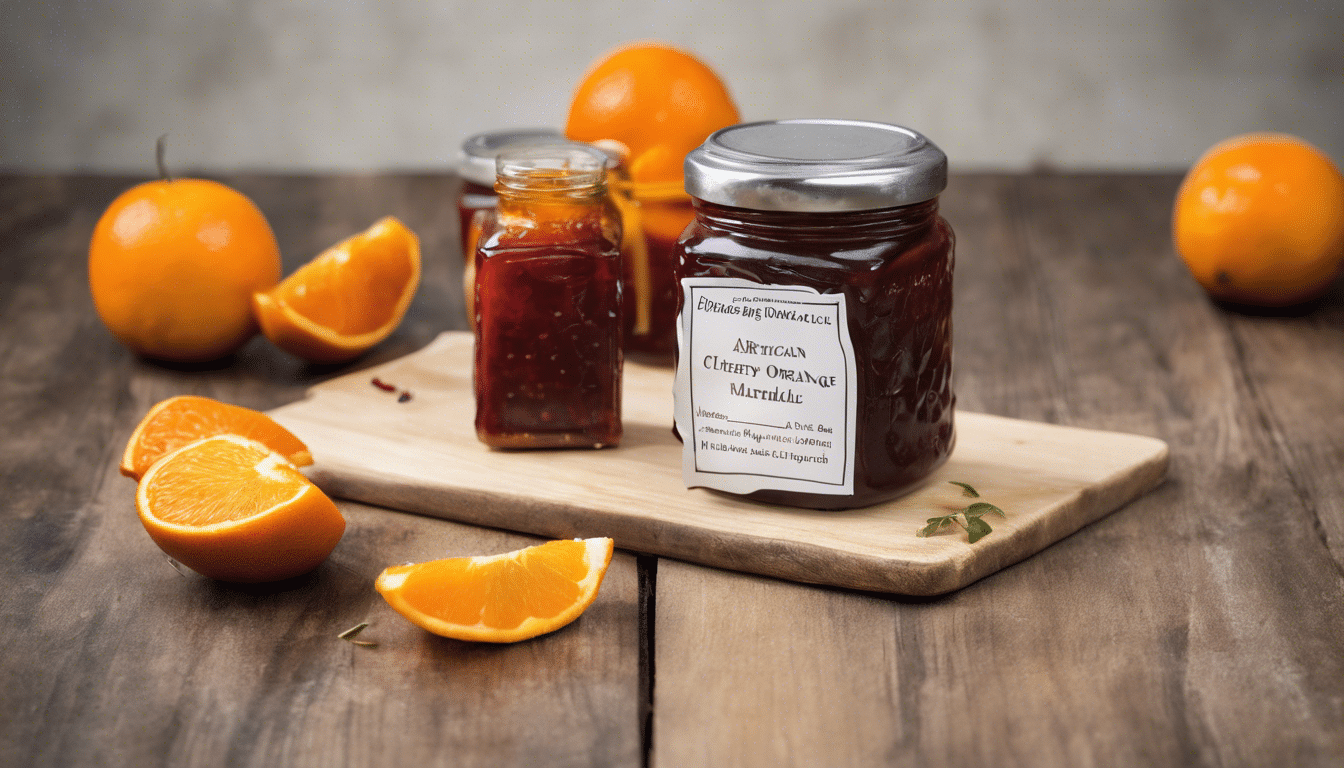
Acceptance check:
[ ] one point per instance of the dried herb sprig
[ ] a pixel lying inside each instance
(975, 525)
(349, 636)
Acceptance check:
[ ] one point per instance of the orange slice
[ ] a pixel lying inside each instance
(177, 421)
(349, 298)
(500, 598)
(232, 509)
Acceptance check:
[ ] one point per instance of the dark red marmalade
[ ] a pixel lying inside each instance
(815, 359)
(548, 305)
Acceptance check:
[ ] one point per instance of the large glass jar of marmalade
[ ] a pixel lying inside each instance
(815, 351)
(548, 304)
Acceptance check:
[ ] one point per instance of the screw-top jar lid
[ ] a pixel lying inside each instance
(476, 160)
(816, 166)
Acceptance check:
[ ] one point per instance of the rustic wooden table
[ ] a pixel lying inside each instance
(1200, 625)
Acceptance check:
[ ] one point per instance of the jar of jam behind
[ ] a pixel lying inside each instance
(815, 357)
(476, 166)
(656, 213)
(548, 300)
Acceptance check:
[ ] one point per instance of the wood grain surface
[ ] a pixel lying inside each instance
(422, 455)
(1203, 625)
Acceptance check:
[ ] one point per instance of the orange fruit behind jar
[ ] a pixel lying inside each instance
(658, 101)
(1259, 220)
(173, 266)
(653, 104)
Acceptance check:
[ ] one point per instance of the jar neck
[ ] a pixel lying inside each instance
(836, 226)
(550, 175)
(563, 212)
(550, 191)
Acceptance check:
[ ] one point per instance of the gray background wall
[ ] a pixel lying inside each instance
(264, 84)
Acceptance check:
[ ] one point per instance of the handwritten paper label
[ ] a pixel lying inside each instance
(765, 388)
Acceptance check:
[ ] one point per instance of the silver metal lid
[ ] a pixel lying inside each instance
(476, 159)
(816, 166)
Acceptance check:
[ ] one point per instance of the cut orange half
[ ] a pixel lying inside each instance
(232, 509)
(349, 298)
(500, 598)
(174, 422)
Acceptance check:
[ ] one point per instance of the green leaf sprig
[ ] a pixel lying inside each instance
(975, 525)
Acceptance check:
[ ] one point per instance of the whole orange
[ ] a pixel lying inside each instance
(1259, 220)
(173, 266)
(659, 101)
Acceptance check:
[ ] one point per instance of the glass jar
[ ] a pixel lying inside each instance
(548, 352)
(655, 216)
(815, 359)
(476, 167)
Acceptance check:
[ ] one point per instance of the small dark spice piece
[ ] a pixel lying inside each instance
(404, 396)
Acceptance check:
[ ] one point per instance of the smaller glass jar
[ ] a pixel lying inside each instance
(815, 355)
(548, 355)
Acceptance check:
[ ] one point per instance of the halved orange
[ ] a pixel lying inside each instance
(500, 598)
(232, 509)
(347, 299)
(174, 422)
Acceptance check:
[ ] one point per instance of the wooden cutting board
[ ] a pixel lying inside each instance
(421, 455)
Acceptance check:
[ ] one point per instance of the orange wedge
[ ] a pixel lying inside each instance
(500, 598)
(349, 298)
(177, 421)
(232, 509)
